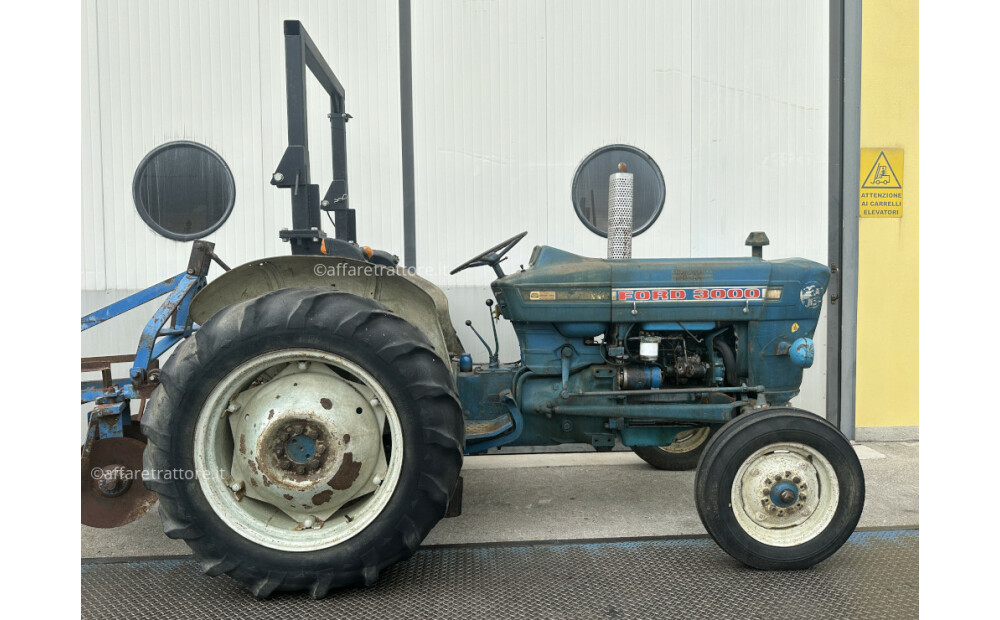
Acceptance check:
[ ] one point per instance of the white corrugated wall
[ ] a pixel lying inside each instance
(730, 99)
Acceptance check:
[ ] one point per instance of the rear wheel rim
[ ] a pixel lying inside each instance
(263, 519)
(688, 440)
(785, 494)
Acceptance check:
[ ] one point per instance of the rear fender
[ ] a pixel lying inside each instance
(413, 298)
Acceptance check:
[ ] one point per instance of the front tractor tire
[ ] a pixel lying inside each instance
(780, 489)
(303, 440)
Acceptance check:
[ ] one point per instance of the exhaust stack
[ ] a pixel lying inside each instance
(620, 214)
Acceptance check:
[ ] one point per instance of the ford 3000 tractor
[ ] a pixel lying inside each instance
(325, 412)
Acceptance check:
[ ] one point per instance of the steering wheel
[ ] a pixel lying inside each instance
(491, 256)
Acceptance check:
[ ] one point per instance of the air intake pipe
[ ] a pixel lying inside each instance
(620, 214)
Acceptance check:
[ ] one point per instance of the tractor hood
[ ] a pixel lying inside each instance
(561, 287)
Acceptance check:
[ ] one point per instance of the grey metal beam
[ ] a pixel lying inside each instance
(835, 209)
(844, 145)
(406, 113)
(849, 240)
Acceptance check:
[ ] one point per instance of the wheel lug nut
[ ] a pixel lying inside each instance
(373, 402)
(233, 407)
(236, 486)
(311, 433)
(300, 469)
(796, 480)
(309, 522)
(303, 365)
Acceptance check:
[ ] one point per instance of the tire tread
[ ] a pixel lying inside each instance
(396, 343)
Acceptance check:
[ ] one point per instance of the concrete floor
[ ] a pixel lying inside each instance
(571, 496)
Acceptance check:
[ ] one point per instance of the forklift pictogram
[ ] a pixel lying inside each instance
(881, 175)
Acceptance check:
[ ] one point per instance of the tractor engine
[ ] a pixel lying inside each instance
(669, 359)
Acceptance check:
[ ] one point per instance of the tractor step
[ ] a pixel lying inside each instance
(476, 430)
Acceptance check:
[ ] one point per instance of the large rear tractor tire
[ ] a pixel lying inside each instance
(303, 440)
(779, 489)
(683, 452)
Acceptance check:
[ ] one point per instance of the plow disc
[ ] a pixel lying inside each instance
(112, 491)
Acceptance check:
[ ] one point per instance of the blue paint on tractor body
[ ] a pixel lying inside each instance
(677, 326)
(802, 352)
(578, 320)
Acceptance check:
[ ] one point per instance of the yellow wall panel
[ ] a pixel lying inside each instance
(887, 379)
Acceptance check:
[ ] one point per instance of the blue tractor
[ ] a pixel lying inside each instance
(309, 428)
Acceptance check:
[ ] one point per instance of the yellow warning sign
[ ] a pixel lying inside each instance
(881, 192)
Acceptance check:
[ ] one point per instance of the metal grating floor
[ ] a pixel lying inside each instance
(873, 576)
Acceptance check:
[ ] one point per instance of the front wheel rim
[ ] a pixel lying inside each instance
(785, 494)
(283, 496)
